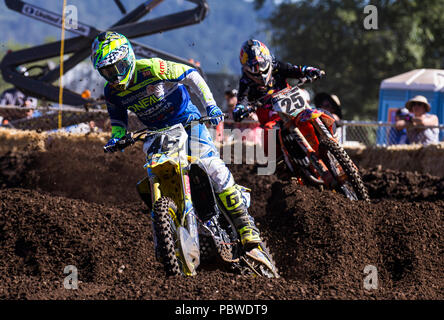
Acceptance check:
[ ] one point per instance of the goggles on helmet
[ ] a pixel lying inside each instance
(116, 71)
(258, 67)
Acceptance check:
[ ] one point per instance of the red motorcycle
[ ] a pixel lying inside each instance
(311, 152)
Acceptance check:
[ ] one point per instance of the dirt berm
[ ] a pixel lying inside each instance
(423, 159)
(63, 202)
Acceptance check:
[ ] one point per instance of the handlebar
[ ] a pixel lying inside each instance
(132, 137)
(305, 79)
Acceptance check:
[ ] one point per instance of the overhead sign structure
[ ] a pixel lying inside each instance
(41, 85)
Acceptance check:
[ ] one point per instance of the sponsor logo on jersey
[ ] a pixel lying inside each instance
(156, 113)
(134, 97)
(162, 67)
(144, 103)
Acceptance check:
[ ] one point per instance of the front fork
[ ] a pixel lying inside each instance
(322, 130)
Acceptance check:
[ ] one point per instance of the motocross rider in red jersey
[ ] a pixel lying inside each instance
(262, 74)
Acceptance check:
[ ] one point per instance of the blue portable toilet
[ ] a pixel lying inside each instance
(396, 91)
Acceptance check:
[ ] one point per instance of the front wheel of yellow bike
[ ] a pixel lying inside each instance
(166, 235)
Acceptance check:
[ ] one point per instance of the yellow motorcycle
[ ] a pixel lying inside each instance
(188, 220)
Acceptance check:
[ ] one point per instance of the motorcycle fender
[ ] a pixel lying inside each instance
(190, 251)
(169, 179)
(307, 115)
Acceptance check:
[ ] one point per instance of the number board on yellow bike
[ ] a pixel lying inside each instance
(167, 140)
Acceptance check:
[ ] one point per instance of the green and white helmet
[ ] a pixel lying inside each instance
(113, 56)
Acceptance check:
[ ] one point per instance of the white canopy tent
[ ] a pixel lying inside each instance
(418, 79)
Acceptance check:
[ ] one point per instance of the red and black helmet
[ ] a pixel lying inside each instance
(256, 61)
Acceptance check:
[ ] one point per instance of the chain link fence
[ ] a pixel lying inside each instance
(371, 133)
(367, 133)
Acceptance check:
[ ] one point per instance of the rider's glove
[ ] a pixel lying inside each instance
(117, 133)
(240, 112)
(312, 72)
(111, 145)
(214, 111)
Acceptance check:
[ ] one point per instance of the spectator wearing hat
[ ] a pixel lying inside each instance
(330, 103)
(416, 131)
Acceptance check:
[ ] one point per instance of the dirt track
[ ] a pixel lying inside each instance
(68, 208)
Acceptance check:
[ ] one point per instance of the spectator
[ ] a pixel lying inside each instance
(93, 127)
(32, 113)
(416, 131)
(231, 101)
(400, 136)
(15, 97)
(30, 102)
(329, 102)
(29, 114)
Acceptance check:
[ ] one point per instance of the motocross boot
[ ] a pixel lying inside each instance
(232, 200)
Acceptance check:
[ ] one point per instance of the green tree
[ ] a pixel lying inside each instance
(331, 34)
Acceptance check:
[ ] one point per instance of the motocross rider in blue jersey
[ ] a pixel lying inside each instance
(154, 89)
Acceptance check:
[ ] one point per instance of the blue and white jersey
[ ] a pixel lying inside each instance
(157, 95)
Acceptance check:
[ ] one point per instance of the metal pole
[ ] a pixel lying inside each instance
(62, 49)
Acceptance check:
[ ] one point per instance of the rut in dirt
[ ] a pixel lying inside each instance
(320, 241)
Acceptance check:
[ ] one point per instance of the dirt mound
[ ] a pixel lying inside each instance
(325, 240)
(411, 186)
(15, 167)
(73, 205)
(321, 243)
(424, 159)
(112, 248)
(77, 169)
